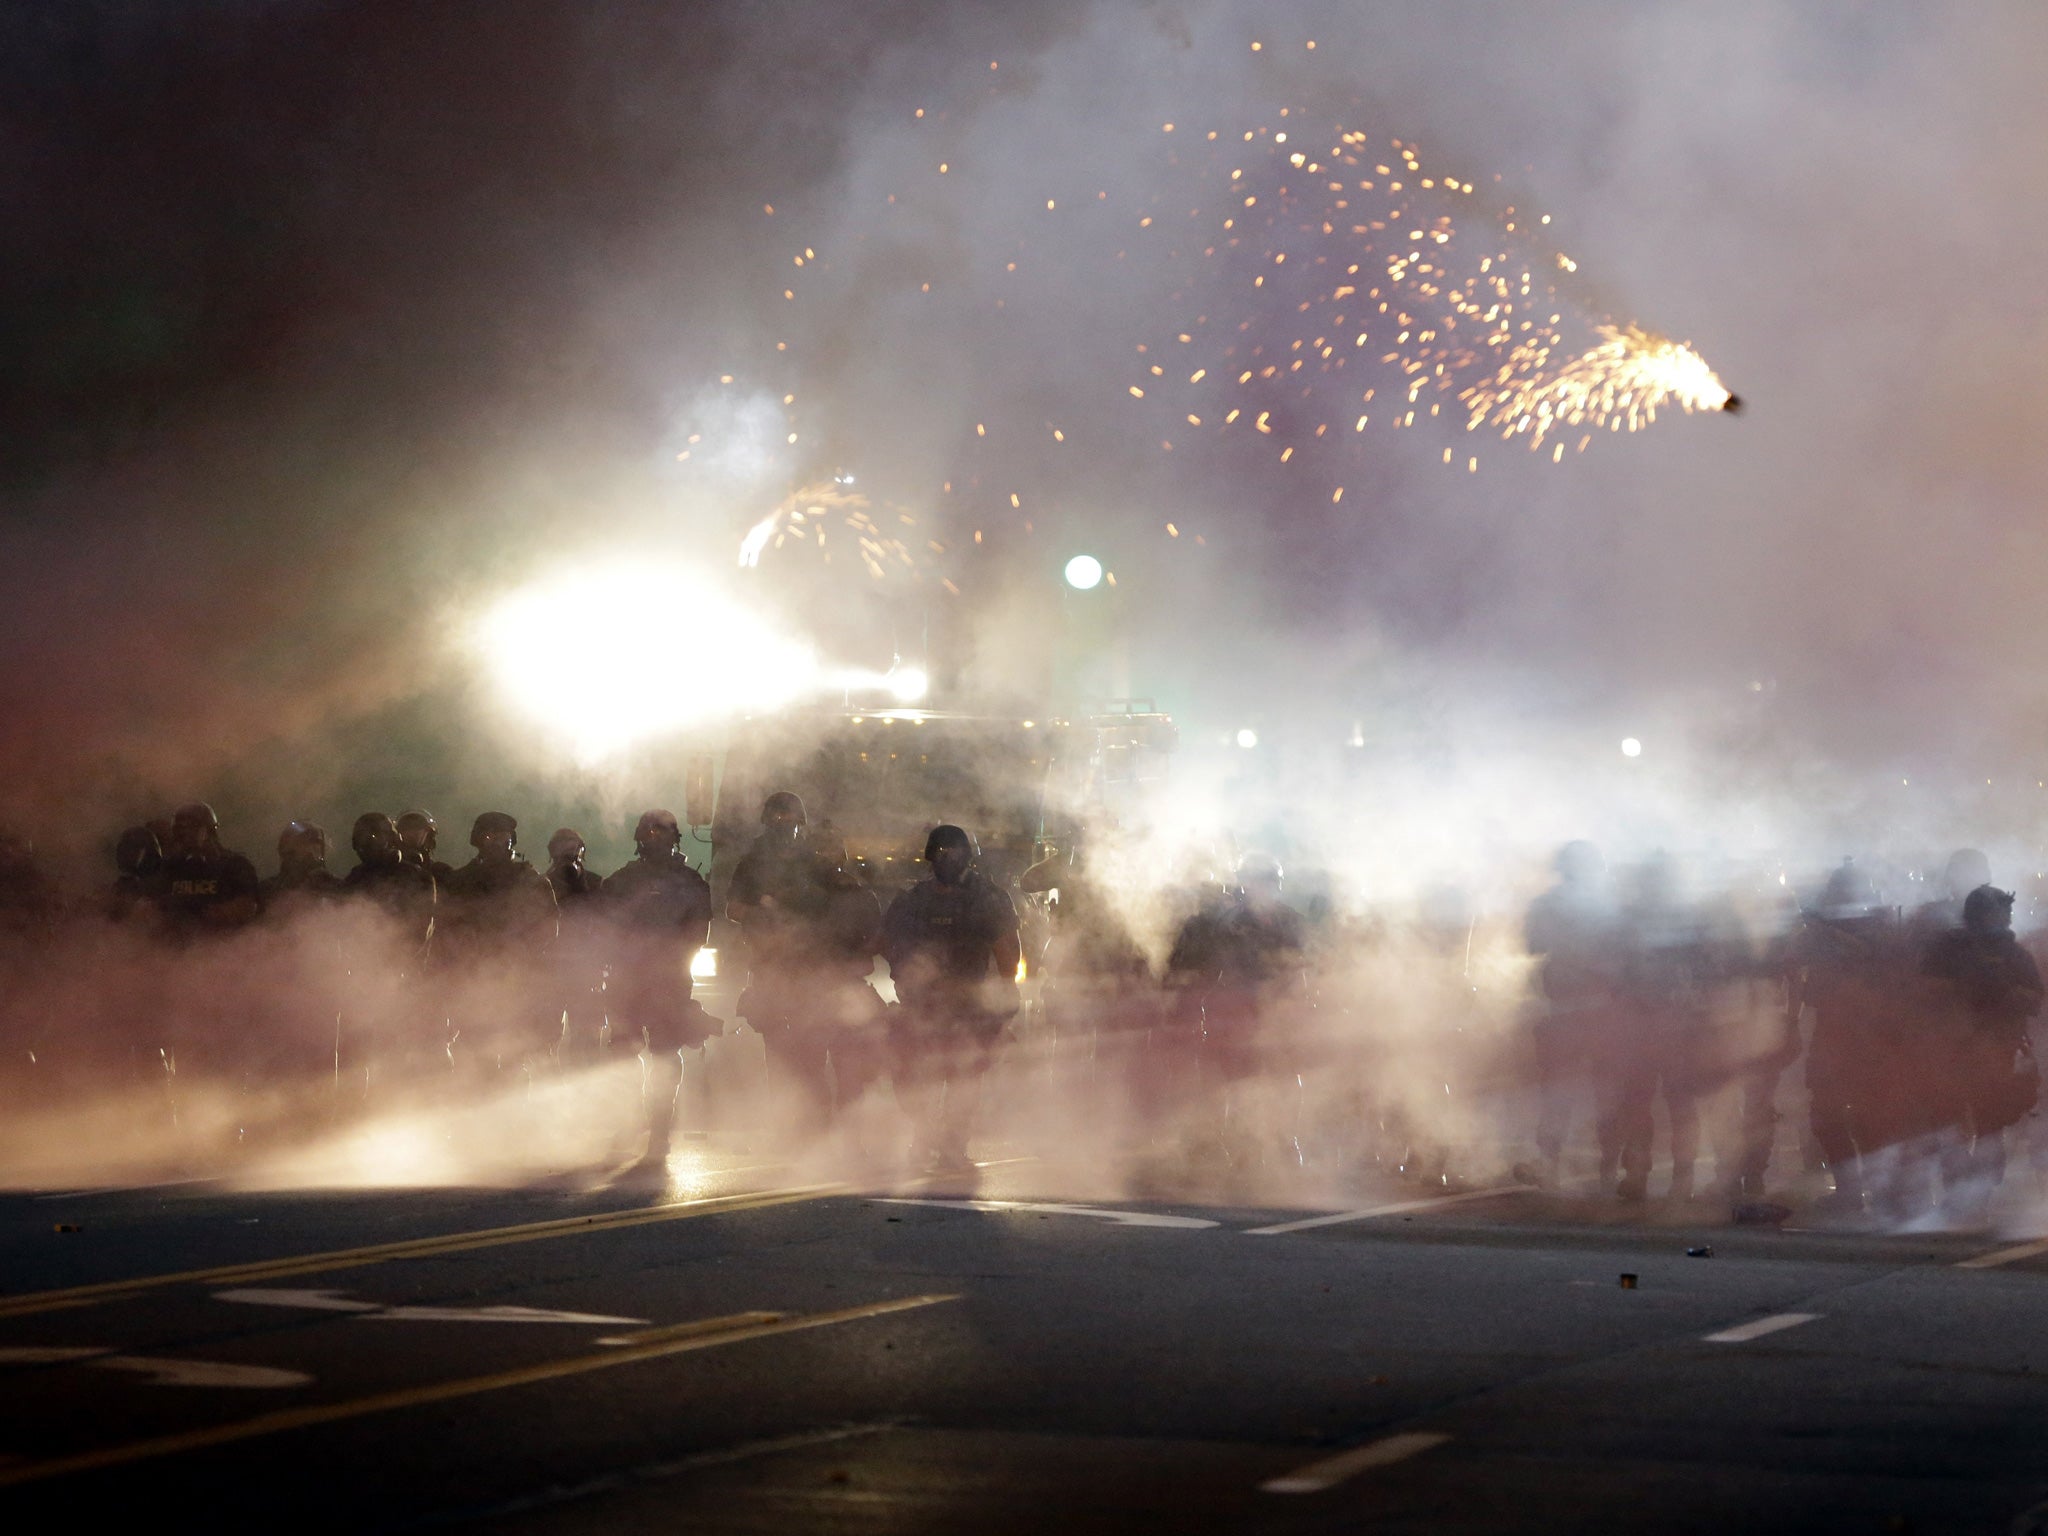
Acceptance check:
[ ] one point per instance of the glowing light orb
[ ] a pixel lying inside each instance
(1084, 572)
(1630, 747)
(602, 687)
(909, 684)
(1247, 739)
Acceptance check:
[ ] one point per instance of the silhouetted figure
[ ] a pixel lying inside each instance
(1992, 1078)
(419, 836)
(1575, 934)
(809, 926)
(661, 915)
(580, 951)
(953, 950)
(302, 877)
(206, 889)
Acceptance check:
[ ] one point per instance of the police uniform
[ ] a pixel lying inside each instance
(501, 912)
(580, 954)
(811, 938)
(204, 892)
(660, 910)
(941, 941)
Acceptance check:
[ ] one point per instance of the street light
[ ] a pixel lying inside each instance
(1084, 572)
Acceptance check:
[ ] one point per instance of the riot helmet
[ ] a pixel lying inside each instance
(194, 828)
(657, 832)
(137, 854)
(494, 834)
(375, 839)
(1988, 910)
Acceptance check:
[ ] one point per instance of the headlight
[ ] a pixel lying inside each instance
(704, 964)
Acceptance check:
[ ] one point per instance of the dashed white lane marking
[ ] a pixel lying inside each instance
(1762, 1326)
(1338, 1218)
(1999, 1256)
(370, 1311)
(162, 1371)
(1331, 1471)
(1100, 1212)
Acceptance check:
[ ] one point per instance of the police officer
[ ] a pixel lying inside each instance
(418, 836)
(1992, 1077)
(138, 866)
(567, 875)
(1965, 871)
(1672, 971)
(953, 948)
(302, 874)
(580, 959)
(807, 926)
(397, 1018)
(206, 888)
(1242, 964)
(384, 874)
(1846, 968)
(660, 911)
(499, 920)
(207, 892)
(1098, 995)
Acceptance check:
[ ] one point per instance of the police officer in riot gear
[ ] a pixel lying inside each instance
(302, 873)
(953, 949)
(397, 1019)
(1574, 933)
(567, 876)
(497, 894)
(418, 836)
(660, 910)
(499, 913)
(1241, 963)
(138, 866)
(1846, 967)
(1984, 1062)
(383, 873)
(206, 888)
(810, 932)
(580, 960)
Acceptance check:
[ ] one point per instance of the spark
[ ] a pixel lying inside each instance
(828, 515)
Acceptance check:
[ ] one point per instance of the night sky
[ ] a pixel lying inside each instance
(330, 324)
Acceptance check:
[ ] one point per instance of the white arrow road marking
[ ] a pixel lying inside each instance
(162, 1371)
(370, 1311)
(1104, 1213)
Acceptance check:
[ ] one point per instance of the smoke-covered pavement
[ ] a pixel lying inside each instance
(777, 1356)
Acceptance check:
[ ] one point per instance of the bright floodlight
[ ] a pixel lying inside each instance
(909, 685)
(1083, 572)
(1247, 739)
(602, 688)
(1630, 747)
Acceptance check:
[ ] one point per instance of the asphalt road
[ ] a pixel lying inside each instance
(741, 1351)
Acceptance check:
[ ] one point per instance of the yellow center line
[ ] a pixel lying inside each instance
(2002, 1256)
(414, 1248)
(707, 1335)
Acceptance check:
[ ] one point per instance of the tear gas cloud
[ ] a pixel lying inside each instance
(370, 355)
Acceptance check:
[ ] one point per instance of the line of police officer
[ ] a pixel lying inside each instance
(1917, 1056)
(498, 965)
(1913, 1025)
